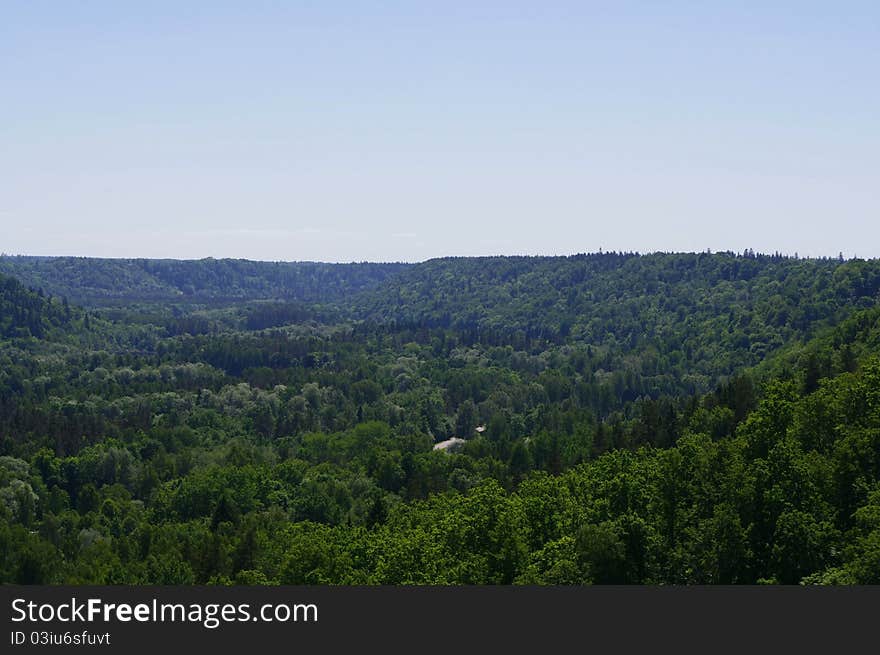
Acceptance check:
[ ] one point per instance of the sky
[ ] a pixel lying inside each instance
(402, 131)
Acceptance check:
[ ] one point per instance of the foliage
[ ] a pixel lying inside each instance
(667, 419)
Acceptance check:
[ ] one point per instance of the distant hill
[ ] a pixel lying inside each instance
(98, 282)
(592, 295)
(714, 313)
(687, 317)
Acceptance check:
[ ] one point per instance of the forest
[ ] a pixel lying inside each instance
(603, 418)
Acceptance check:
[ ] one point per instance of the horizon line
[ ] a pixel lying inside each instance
(748, 253)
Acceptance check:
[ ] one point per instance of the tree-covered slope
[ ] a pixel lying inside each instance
(26, 313)
(671, 323)
(635, 297)
(713, 313)
(99, 281)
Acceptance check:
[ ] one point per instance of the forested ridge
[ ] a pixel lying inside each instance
(25, 313)
(618, 418)
(96, 282)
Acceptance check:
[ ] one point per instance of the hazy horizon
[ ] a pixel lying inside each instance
(421, 261)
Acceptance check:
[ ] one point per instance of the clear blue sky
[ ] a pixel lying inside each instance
(343, 131)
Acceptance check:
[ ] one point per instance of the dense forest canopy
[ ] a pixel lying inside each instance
(604, 418)
(102, 281)
(25, 313)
